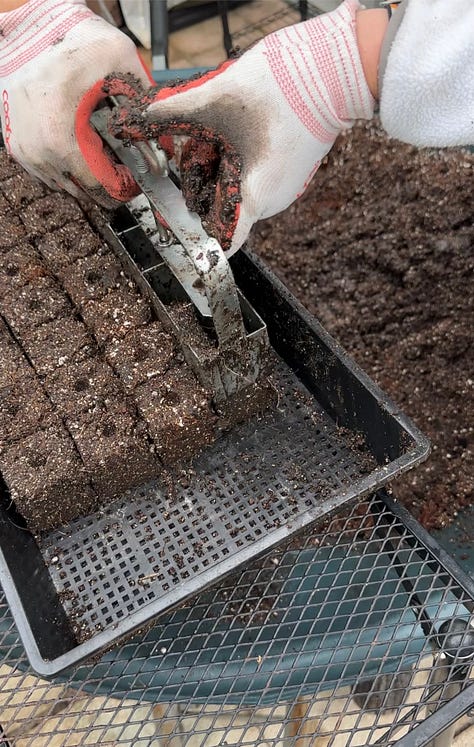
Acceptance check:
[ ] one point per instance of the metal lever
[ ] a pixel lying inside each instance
(198, 259)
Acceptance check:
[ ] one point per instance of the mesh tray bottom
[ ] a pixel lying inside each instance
(245, 493)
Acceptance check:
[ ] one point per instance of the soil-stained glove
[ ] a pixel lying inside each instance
(261, 124)
(54, 57)
(426, 74)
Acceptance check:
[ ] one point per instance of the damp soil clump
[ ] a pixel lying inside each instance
(380, 249)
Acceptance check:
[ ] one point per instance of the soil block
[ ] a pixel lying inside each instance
(92, 278)
(46, 479)
(69, 243)
(177, 413)
(5, 207)
(144, 353)
(116, 314)
(191, 332)
(50, 213)
(21, 189)
(14, 366)
(24, 407)
(20, 266)
(12, 232)
(83, 386)
(40, 302)
(60, 342)
(247, 404)
(114, 450)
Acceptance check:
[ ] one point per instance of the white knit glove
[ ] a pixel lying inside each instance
(261, 124)
(54, 56)
(427, 73)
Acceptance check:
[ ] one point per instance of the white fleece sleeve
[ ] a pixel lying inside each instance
(427, 78)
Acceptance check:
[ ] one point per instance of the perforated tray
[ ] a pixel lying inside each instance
(333, 437)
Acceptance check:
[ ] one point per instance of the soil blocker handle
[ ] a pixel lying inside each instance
(198, 258)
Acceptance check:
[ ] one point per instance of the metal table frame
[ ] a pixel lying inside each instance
(439, 728)
(159, 22)
(447, 695)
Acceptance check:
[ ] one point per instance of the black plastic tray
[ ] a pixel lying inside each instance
(334, 437)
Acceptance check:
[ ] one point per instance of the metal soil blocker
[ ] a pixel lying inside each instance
(198, 263)
(332, 437)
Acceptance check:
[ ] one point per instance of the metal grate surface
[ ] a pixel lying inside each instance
(274, 17)
(332, 641)
(245, 491)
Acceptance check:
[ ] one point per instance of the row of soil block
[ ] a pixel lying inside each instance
(94, 396)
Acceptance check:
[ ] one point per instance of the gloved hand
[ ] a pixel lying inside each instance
(261, 124)
(54, 58)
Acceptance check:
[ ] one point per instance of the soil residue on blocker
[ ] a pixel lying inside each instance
(380, 249)
(95, 396)
(210, 164)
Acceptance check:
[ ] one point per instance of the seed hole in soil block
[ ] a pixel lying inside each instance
(168, 397)
(81, 385)
(12, 270)
(109, 430)
(37, 461)
(140, 354)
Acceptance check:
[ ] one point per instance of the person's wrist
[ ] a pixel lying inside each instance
(7, 5)
(371, 26)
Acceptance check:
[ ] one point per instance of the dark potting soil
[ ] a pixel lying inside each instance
(46, 478)
(176, 400)
(144, 353)
(380, 248)
(68, 244)
(49, 213)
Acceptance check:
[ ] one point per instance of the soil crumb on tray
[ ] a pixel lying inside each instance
(380, 248)
(95, 395)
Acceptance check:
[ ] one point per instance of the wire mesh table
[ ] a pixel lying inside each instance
(359, 633)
